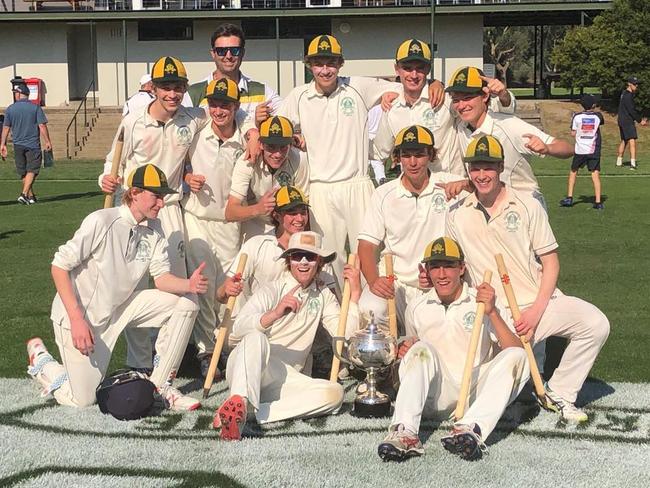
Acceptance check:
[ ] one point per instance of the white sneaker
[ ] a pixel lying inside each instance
(567, 410)
(175, 400)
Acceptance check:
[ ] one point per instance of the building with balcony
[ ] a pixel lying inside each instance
(102, 47)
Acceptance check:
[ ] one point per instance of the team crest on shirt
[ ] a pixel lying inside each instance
(313, 306)
(283, 178)
(348, 106)
(468, 321)
(513, 221)
(180, 249)
(184, 135)
(439, 203)
(429, 119)
(143, 251)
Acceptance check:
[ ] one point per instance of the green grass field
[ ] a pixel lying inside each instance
(602, 256)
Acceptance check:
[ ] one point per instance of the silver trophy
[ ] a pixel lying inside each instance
(371, 350)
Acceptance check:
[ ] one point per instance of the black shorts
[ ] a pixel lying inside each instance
(628, 131)
(589, 160)
(27, 160)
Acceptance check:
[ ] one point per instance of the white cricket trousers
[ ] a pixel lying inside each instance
(428, 389)
(585, 327)
(338, 210)
(216, 243)
(174, 316)
(404, 294)
(139, 341)
(276, 390)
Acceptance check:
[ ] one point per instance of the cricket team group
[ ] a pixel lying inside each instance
(227, 193)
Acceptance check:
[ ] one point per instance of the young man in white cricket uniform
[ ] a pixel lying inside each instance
(162, 131)
(439, 329)
(227, 49)
(331, 113)
(498, 219)
(276, 329)
(279, 164)
(210, 238)
(520, 140)
(96, 274)
(412, 65)
(402, 216)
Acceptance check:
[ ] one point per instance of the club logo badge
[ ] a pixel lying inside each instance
(284, 179)
(275, 128)
(468, 321)
(429, 119)
(347, 106)
(324, 45)
(170, 69)
(481, 148)
(222, 86)
(438, 249)
(313, 306)
(180, 249)
(143, 251)
(409, 137)
(415, 48)
(439, 203)
(460, 79)
(184, 135)
(513, 221)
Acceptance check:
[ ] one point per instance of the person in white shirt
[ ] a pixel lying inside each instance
(331, 114)
(163, 132)
(497, 219)
(275, 330)
(142, 98)
(96, 274)
(254, 184)
(210, 238)
(412, 65)
(402, 216)
(520, 140)
(439, 328)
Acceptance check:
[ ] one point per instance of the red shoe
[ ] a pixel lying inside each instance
(230, 418)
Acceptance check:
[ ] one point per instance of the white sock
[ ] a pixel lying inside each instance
(632, 162)
(619, 160)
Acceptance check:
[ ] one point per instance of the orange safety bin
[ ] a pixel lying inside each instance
(36, 90)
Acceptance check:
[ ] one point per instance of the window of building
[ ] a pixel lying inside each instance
(165, 30)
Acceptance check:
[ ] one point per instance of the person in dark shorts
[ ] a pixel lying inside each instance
(585, 127)
(28, 124)
(627, 116)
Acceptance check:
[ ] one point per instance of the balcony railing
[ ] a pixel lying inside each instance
(36, 6)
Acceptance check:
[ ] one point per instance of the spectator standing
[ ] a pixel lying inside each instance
(142, 97)
(27, 123)
(627, 116)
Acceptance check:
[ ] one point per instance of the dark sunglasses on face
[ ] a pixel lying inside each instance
(309, 256)
(221, 51)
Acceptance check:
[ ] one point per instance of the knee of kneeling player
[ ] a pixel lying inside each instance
(329, 395)
(518, 360)
(599, 327)
(420, 351)
(188, 303)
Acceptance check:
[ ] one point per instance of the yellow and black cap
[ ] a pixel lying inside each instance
(290, 197)
(149, 177)
(222, 89)
(413, 137)
(276, 130)
(168, 69)
(443, 249)
(466, 80)
(413, 50)
(324, 45)
(485, 149)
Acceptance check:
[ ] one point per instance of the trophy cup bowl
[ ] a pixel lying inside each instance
(371, 350)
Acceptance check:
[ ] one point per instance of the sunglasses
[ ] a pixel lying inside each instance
(308, 256)
(234, 50)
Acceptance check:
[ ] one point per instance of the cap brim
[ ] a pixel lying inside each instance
(463, 89)
(328, 257)
(323, 55)
(222, 98)
(170, 79)
(279, 141)
(413, 145)
(413, 58)
(482, 159)
(291, 206)
(446, 258)
(159, 191)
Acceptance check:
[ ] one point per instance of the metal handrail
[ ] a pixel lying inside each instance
(74, 119)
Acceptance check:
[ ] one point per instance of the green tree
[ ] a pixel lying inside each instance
(604, 54)
(508, 48)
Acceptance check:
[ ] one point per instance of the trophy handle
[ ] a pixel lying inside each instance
(336, 340)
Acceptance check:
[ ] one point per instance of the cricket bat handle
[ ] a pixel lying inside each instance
(471, 354)
(223, 332)
(392, 311)
(115, 166)
(343, 319)
(516, 314)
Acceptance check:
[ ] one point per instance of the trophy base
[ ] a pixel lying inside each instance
(371, 410)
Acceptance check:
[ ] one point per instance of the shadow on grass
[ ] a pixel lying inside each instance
(184, 478)
(56, 198)
(9, 233)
